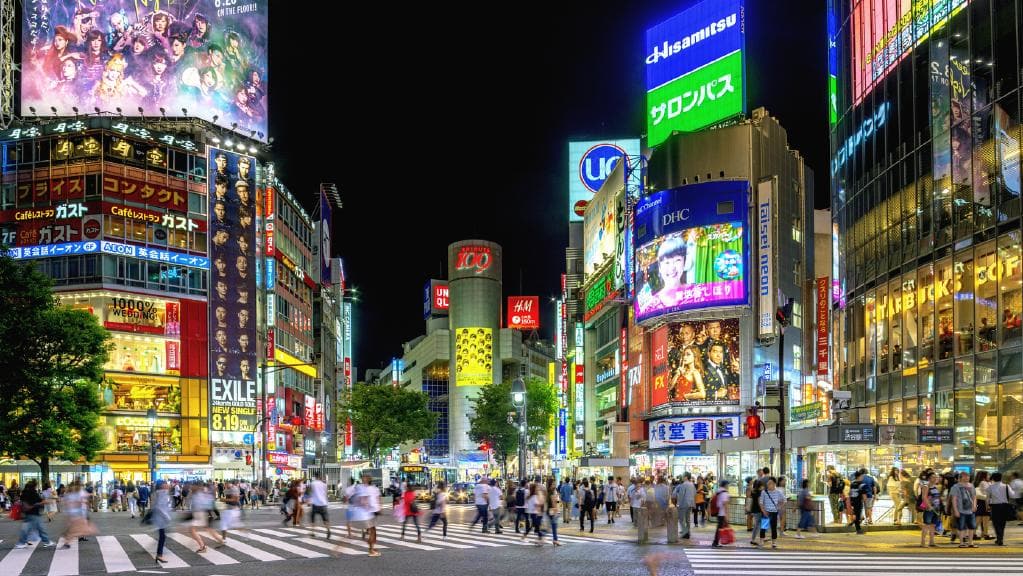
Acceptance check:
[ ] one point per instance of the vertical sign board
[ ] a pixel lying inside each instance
(326, 277)
(823, 320)
(562, 440)
(765, 258)
(233, 356)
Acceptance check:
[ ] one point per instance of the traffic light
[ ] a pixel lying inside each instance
(248, 459)
(754, 425)
(484, 446)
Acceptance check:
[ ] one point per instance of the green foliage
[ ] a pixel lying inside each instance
(489, 420)
(51, 372)
(384, 417)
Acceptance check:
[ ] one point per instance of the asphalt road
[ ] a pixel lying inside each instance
(267, 547)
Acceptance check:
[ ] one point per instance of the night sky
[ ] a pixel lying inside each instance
(448, 124)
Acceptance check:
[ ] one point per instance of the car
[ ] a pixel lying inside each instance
(461, 493)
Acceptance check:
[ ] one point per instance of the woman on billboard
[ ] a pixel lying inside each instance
(688, 381)
(673, 268)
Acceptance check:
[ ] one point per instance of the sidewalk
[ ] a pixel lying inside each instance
(900, 541)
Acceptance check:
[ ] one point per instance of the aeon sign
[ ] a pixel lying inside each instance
(474, 259)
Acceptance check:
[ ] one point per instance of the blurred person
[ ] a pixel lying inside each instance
(31, 509)
(480, 498)
(535, 506)
(76, 510)
(553, 509)
(719, 509)
(201, 504)
(981, 484)
(565, 491)
(366, 500)
(684, 496)
(1000, 499)
(804, 500)
(411, 510)
(494, 504)
(439, 507)
(232, 508)
(49, 497)
(316, 495)
(161, 516)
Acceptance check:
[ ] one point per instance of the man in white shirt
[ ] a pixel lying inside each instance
(316, 494)
(494, 495)
(611, 499)
(481, 499)
(685, 498)
(366, 506)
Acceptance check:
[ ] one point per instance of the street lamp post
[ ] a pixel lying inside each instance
(519, 400)
(151, 417)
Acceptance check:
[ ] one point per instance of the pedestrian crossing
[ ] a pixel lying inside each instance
(729, 561)
(114, 554)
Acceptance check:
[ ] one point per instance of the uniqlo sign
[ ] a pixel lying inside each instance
(524, 312)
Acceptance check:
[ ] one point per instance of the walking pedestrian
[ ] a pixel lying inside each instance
(753, 507)
(535, 505)
(201, 504)
(133, 499)
(520, 508)
(684, 496)
(143, 497)
(981, 484)
(439, 508)
(836, 488)
(480, 498)
(565, 491)
(1000, 498)
(495, 507)
(49, 501)
(771, 502)
(893, 486)
(31, 509)
(411, 511)
(553, 509)
(868, 488)
(858, 499)
(611, 499)
(316, 495)
(907, 501)
(587, 501)
(719, 510)
(161, 517)
(232, 507)
(366, 501)
(700, 501)
(348, 494)
(76, 511)
(805, 502)
(963, 498)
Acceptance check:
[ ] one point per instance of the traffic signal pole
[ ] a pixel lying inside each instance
(781, 399)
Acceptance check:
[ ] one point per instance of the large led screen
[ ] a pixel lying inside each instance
(691, 248)
(695, 69)
(208, 57)
(884, 31)
(589, 165)
(474, 356)
(697, 363)
(232, 305)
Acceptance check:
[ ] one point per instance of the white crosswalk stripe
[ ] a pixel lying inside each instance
(129, 553)
(750, 562)
(512, 534)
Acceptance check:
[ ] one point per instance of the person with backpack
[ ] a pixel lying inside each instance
(520, 509)
(587, 503)
(143, 497)
(411, 510)
(836, 487)
(439, 508)
(805, 502)
(858, 499)
(719, 510)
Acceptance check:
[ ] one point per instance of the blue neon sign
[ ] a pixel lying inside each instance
(106, 247)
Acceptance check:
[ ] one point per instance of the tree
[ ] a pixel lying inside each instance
(489, 420)
(52, 375)
(384, 417)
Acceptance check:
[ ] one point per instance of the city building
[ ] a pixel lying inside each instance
(925, 196)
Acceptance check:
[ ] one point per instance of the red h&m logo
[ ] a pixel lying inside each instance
(473, 258)
(524, 312)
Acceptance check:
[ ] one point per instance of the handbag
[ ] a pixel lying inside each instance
(726, 536)
(765, 522)
(147, 518)
(16, 511)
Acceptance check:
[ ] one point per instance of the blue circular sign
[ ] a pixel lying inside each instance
(728, 265)
(596, 164)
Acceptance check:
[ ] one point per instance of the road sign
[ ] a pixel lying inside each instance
(248, 439)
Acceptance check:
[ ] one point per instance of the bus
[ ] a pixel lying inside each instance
(415, 475)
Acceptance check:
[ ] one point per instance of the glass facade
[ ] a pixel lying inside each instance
(435, 385)
(925, 188)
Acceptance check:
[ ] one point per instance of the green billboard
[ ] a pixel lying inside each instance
(697, 99)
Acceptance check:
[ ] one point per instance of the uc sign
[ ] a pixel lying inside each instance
(475, 259)
(597, 163)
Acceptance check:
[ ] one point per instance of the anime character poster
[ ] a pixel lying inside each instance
(203, 56)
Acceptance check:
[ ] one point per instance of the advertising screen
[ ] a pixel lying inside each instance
(695, 68)
(435, 298)
(524, 312)
(600, 231)
(232, 297)
(697, 363)
(589, 164)
(884, 31)
(326, 276)
(474, 356)
(691, 248)
(208, 57)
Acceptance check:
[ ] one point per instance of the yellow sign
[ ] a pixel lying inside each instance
(290, 361)
(474, 356)
(139, 422)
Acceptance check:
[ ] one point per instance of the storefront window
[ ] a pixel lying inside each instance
(140, 393)
(944, 409)
(925, 410)
(882, 329)
(986, 368)
(1010, 364)
(1007, 148)
(925, 279)
(911, 411)
(987, 420)
(964, 302)
(895, 319)
(883, 413)
(986, 288)
(131, 434)
(943, 288)
(965, 408)
(964, 377)
(870, 317)
(909, 383)
(1010, 294)
(1010, 429)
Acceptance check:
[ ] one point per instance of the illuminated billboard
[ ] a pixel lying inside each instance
(524, 312)
(884, 31)
(695, 68)
(474, 356)
(600, 231)
(589, 165)
(435, 298)
(691, 248)
(232, 305)
(696, 363)
(206, 57)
